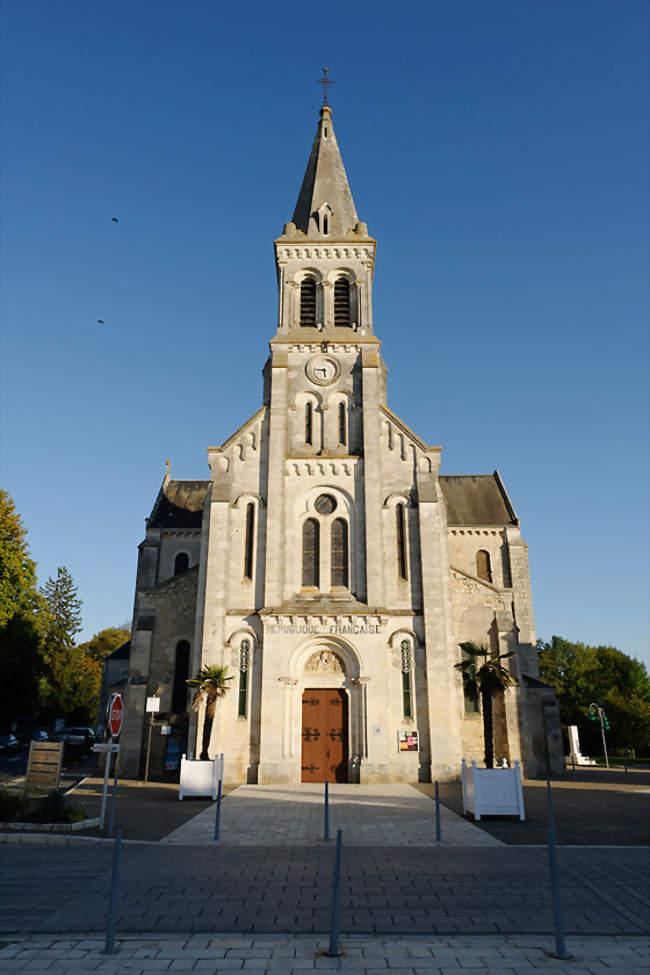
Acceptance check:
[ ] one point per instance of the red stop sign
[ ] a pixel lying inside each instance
(115, 715)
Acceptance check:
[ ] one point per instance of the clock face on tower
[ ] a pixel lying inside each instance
(322, 370)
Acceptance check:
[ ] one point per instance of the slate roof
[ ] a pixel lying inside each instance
(179, 505)
(122, 653)
(476, 499)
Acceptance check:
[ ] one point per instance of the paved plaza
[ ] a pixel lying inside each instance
(259, 900)
(369, 815)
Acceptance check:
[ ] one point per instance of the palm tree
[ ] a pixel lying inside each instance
(212, 683)
(484, 681)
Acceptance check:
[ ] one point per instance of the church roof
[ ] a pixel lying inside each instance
(325, 182)
(476, 499)
(179, 505)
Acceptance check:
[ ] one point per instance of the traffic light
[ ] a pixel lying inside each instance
(606, 722)
(592, 716)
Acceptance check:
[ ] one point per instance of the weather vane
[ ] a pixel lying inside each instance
(325, 81)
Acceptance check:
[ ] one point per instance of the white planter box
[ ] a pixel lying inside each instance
(200, 778)
(492, 791)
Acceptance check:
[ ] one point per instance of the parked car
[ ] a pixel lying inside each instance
(40, 736)
(9, 743)
(79, 739)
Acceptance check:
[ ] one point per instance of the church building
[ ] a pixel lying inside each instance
(327, 562)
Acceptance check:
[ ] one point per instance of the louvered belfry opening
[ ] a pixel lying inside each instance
(308, 302)
(342, 301)
(339, 552)
(311, 553)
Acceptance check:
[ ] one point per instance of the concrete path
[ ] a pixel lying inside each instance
(293, 815)
(282, 955)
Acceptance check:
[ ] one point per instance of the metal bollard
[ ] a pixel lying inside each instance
(111, 818)
(109, 944)
(437, 813)
(558, 914)
(335, 917)
(326, 828)
(217, 818)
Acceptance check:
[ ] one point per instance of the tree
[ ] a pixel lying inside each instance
(71, 680)
(212, 683)
(18, 591)
(105, 642)
(21, 666)
(619, 683)
(484, 681)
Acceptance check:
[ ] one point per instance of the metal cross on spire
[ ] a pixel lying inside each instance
(325, 82)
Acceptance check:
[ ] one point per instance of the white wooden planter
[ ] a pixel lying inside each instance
(200, 778)
(492, 791)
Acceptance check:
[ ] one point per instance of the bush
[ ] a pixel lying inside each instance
(52, 808)
(13, 805)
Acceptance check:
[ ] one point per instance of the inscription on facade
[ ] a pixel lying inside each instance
(332, 629)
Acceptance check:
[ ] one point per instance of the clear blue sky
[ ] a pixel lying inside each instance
(498, 152)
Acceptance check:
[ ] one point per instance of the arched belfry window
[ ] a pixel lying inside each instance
(311, 553)
(483, 568)
(181, 563)
(342, 302)
(181, 673)
(309, 424)
(343, 427)
(402, 561)
(339, 553)
(308, 302)
(249, 541)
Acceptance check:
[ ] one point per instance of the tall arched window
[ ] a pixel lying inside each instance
(343, 431)
(339, 553)
(244, 664)
(308, 302)
(311, 553)
(181, 563)
(309, 424)
(402, 562)
(407, 695)
(483, 568)
(342, 301)
(248, 542)
(181, 673)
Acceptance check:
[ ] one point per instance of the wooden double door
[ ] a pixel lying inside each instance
(324, 735)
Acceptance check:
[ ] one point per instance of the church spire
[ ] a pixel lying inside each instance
(325, 207)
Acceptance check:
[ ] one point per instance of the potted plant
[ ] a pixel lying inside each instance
(199, 778)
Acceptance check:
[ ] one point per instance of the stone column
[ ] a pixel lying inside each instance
(372, 479)
(328, 304)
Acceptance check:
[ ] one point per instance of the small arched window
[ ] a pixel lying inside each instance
(181, 674)
(249, 541)
(309, 424)
(308, 302)
(181, 563)
(339, 553)
(311, 553)
(483, 568)
(342, 302)
(326, 225)
(402, 562)
(343, 427)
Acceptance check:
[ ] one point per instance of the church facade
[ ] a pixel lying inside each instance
(327, 562)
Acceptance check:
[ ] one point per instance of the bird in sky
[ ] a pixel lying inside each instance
(115, 220)
(100, 321)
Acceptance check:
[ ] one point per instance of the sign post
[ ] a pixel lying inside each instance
(112, 747)
(152, 707)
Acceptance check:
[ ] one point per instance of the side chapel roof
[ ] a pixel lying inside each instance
(477, 499)
(179, 505)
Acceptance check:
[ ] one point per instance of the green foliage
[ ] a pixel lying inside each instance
(211, 683)
(21, 666)
(620, 684)
(485, 680)
(71, 680)
(18, 591)
(53, 808)
(105, 642)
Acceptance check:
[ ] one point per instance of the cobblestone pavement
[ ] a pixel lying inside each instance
(144, 955)
(378, 815)
(61, 889)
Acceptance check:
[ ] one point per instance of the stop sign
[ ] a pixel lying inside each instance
(115, 715)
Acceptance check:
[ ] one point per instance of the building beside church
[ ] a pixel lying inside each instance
(327, 562)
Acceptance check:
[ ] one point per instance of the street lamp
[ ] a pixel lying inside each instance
(596, 712)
